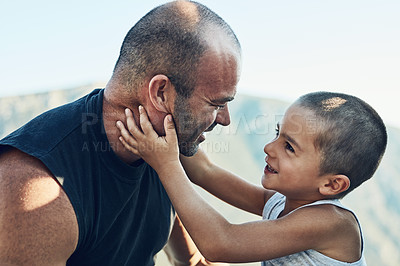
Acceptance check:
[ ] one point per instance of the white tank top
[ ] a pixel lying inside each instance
(275, 206)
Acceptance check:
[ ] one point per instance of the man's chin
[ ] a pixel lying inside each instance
(201, 138)
(188, 150)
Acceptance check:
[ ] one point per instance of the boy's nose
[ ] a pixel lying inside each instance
(268, 148)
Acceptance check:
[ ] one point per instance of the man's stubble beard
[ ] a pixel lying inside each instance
(186, 127)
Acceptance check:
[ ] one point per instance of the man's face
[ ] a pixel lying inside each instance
(207, 107)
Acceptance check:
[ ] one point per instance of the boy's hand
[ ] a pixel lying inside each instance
(158, 151)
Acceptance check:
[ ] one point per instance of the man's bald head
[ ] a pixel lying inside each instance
(170, 40)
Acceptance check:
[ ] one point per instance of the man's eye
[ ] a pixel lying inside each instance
(219, 107)
(289, 147)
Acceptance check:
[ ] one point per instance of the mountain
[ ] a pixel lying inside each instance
(239, 148)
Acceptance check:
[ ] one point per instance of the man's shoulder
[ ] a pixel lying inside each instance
(40, 135)
(19, 171)
(36, 213)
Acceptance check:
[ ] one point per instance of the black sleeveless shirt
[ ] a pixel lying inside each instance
(123, 212)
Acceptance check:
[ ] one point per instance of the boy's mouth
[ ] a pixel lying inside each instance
(270, 169)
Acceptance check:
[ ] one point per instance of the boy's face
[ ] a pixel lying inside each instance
(292, 159)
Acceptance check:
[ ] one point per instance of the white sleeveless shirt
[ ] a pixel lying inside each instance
(275, 206)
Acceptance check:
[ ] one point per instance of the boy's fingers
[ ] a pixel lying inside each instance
(128, 147)
(170, 132)
(128, 138)
(147, 127)
(131, 124)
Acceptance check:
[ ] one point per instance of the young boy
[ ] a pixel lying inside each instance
(326, 145)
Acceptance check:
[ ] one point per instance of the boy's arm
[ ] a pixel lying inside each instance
(316, 227)
(219, 240)
(224, 184)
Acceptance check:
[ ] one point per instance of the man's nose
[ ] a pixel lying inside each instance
(223, 117)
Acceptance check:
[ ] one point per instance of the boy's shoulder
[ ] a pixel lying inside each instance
(328, 214)
(329, 211)
(336, 229)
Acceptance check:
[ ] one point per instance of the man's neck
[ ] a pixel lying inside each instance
(113, 112)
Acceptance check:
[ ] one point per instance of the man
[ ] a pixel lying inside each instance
(70, 194)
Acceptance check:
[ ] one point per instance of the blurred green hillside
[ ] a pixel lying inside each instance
(239, 148)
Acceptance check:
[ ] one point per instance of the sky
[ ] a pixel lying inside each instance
(289, 47)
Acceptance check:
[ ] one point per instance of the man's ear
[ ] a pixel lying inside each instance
(334, 184)
(160, 92)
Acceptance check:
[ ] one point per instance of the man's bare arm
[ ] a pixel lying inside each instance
(182, 251)
(38, 225)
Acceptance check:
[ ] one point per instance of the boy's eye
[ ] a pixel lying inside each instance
(277, 130)
(289, 147)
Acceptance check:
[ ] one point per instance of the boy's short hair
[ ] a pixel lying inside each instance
(351, 136)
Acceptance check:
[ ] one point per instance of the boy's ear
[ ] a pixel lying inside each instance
(334, 184)
(160, 88)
